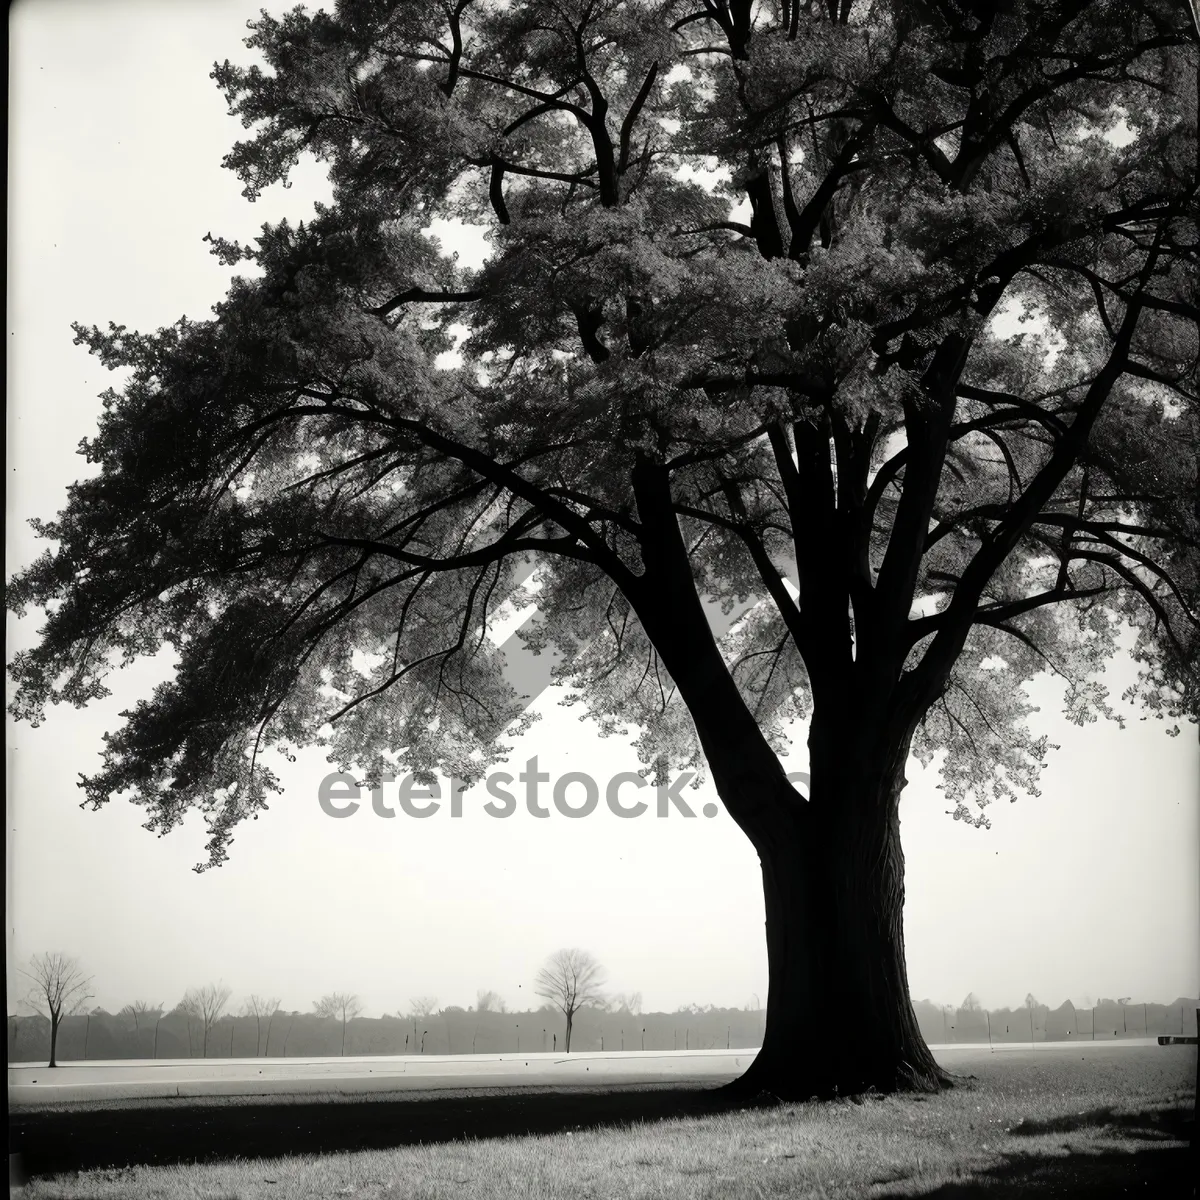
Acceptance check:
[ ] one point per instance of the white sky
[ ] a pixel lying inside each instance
(116, 138)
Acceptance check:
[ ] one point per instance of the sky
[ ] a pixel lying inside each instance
(116, 137)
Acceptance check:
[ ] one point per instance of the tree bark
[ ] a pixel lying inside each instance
(839, 1015)
(567, 1039)
(54, 1021)
(833, 867)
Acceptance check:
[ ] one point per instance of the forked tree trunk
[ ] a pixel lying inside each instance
(839, 1016)
(833, 869)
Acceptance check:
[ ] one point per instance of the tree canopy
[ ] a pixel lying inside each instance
(746, 264)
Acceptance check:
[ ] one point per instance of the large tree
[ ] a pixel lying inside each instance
(731, 380)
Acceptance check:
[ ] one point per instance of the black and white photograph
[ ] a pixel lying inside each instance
(603, 599)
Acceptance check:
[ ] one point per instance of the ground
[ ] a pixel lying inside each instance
(1017, 1123)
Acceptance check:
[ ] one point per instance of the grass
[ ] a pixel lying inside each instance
(1079, 1123)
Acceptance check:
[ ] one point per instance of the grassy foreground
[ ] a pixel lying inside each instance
(1077, 1123)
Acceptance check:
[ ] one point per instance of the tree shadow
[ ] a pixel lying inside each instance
(1167, 1173)
(1142, 1166)
(117, 1134)
(1148, 1125)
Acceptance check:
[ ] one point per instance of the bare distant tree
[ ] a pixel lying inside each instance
(181, 1010)
(971, 1003)
(569, 980)
(206, 1004)
(341, 1006)
(259, 1008)
(287, 1033)
(57, 988)
(139, 1011)
(423, 1006)
(626, 1002)
(1031, 1002)
(488, 1001)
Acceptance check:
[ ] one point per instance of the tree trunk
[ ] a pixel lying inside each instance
(567, 1039)
(833, 869)
(833, 884)
(54, 1020)
(839, 1016)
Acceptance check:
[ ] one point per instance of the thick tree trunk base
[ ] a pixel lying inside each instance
(840, 1020)
(822, 1076)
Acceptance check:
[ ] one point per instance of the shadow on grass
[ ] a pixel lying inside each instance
(52, 1141)
(115, 1136)
(1158, 1173)
(1143, 1166)
(1154, 1125)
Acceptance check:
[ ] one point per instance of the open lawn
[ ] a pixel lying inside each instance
(1087, 1123)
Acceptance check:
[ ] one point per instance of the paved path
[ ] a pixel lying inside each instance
(143, 1079)
(130, 1079)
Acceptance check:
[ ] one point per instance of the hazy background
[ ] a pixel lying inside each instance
(116, 136)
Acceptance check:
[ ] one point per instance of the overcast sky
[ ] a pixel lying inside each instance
(116, 138)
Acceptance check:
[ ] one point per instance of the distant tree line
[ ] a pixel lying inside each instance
(576, 1016)
(1105, 1020)
(447, 1030)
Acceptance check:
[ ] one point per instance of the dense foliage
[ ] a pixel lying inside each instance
(755, 253)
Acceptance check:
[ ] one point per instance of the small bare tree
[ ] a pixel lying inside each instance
(569, 980)
(260, 1008)
(1123, 1001)
(489, 1001)
(139, 1011)
(341, 1006)
(420, 1009)
(1031, 1003)
(57, 988)
(423, 1007)
(206, 1004)
(181, 1010)
(626, 1002)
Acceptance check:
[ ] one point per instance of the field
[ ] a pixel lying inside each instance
(1079, 1122)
